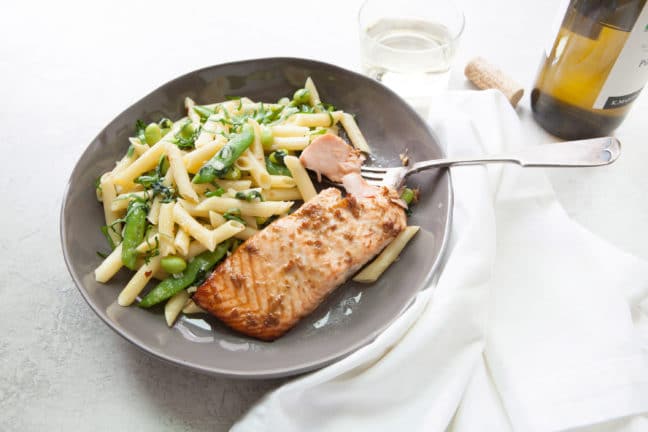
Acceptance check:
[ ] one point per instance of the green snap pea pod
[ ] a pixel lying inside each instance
(133, 233)
(173, 264)
(224, 159)
(195, 270)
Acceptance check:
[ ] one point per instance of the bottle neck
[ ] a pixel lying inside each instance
(588, 17)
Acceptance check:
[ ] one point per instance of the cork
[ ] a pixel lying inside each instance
(486, 76)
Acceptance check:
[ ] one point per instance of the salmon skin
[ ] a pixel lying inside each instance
(282, 273)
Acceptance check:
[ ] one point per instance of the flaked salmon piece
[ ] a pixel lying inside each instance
(329, 155)
(357, 186)
(285, 271)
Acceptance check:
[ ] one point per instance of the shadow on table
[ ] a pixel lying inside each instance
(188, 400)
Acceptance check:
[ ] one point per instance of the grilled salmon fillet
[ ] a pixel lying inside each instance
(285, 271)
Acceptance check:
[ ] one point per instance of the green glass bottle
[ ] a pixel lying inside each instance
(594, 70)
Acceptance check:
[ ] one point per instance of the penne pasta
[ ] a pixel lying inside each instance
(194, 160)
(227, 230)
(246, 233)
(165, 229)
(120, 203)
(145, 162)
(109, 266)
(192, 308)
(195, 248)
(250, 221)
(193, 227)
(138, 147)
(256, 148)
(257, 170)
(108, 195)
(237, 185)
(288, 130)
(301, 177)
(353, 131)
(325, 119)
(180, 174)
(124, 163)
(154, 211)
(174, 306)
(181, 242)
(261, 209)
(294, 143)
(191, 209)
(150, 243)
(281, 194)
(216, 219)
(372, 272)
(138, 282)
(282, 182)
(193, 115)
(314, 94)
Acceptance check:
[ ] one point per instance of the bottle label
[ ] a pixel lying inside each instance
(630, 71)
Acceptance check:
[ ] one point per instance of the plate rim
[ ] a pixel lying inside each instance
(261, 373)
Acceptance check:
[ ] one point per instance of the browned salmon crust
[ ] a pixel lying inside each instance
(284, 272)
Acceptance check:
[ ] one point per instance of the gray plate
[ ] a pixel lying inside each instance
(354, 314)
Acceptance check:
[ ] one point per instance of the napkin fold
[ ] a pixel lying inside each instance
(533, 324)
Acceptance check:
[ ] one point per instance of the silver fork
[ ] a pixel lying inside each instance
(583, 153)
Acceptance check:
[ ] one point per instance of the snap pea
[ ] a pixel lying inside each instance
(133, 232)
(188, 130)
(224, 159)
(232, 174)
(152, 133)
(173, 264)
(407, 195)
(301, 96)
(195, 271)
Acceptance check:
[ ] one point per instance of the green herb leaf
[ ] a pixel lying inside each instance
(215, 193)
(249, 195)
(233, 214)
(104, 231)
(203, 112)
(140, 127)
(276, 169)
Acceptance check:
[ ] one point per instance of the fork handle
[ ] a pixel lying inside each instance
(581, 153)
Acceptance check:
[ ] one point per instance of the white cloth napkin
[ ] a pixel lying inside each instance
(533, 325)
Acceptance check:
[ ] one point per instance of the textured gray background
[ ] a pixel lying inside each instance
(67, 68)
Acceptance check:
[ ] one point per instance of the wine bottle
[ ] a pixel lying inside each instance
(594, 70)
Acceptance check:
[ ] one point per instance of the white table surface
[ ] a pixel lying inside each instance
(67, 69)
